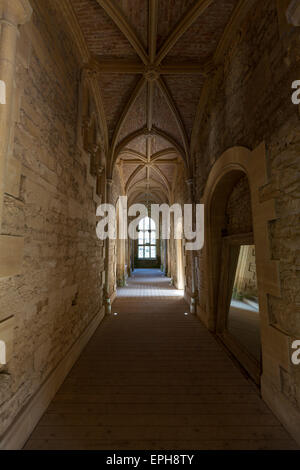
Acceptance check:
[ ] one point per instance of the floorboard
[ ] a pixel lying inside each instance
(154, 378)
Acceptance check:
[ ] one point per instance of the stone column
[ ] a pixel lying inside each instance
(120, 244)
(107, 260)
(129, 257)
(168, 258)
(132, 256)
(165, 245)
(12, 14)
(190, 184)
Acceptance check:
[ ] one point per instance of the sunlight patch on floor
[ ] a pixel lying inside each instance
(149, 283)
(144, 292)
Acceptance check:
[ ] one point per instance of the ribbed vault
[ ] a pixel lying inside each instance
(152, 59)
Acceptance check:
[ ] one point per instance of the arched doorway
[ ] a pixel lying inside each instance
(238, 318)
(147, 246)
(224, 251)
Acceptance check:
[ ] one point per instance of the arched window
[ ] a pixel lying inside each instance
(147, 239)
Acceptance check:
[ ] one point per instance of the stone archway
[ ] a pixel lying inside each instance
(276, 351)
(227, 170)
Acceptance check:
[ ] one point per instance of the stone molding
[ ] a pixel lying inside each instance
(253, 164)
(275, 343)
(16, 12)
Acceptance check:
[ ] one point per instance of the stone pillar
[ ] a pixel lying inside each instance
(121, 279)
(107, 260)
(132, 255)
(165, 245)
(129, 257)
(12, 14)
(293, 13)
(190, 184)
(169, 259)
(121, 252)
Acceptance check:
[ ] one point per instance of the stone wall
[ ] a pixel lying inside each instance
(238, 215)
(249, 102)
(59, 289)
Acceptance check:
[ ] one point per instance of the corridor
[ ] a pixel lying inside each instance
(155, 378)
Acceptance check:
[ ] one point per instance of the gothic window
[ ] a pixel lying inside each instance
(147, 239)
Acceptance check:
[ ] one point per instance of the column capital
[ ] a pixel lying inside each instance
(293, 13)
(16, 12)
(109, 181)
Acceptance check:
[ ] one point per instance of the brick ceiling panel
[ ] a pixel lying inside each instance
(138, 144)
(154, 175)
(140, 176)
(116, 90)
(186, 91)
(168, 170)
(102, 36)
(159, 144)
(136, 13)
(170, 12)
(163, 116)
(128, 171)
(136, 118)
(201, 39)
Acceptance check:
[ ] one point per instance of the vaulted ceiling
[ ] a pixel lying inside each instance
(151, 58)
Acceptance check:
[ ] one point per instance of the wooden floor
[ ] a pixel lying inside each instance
(153, 378)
